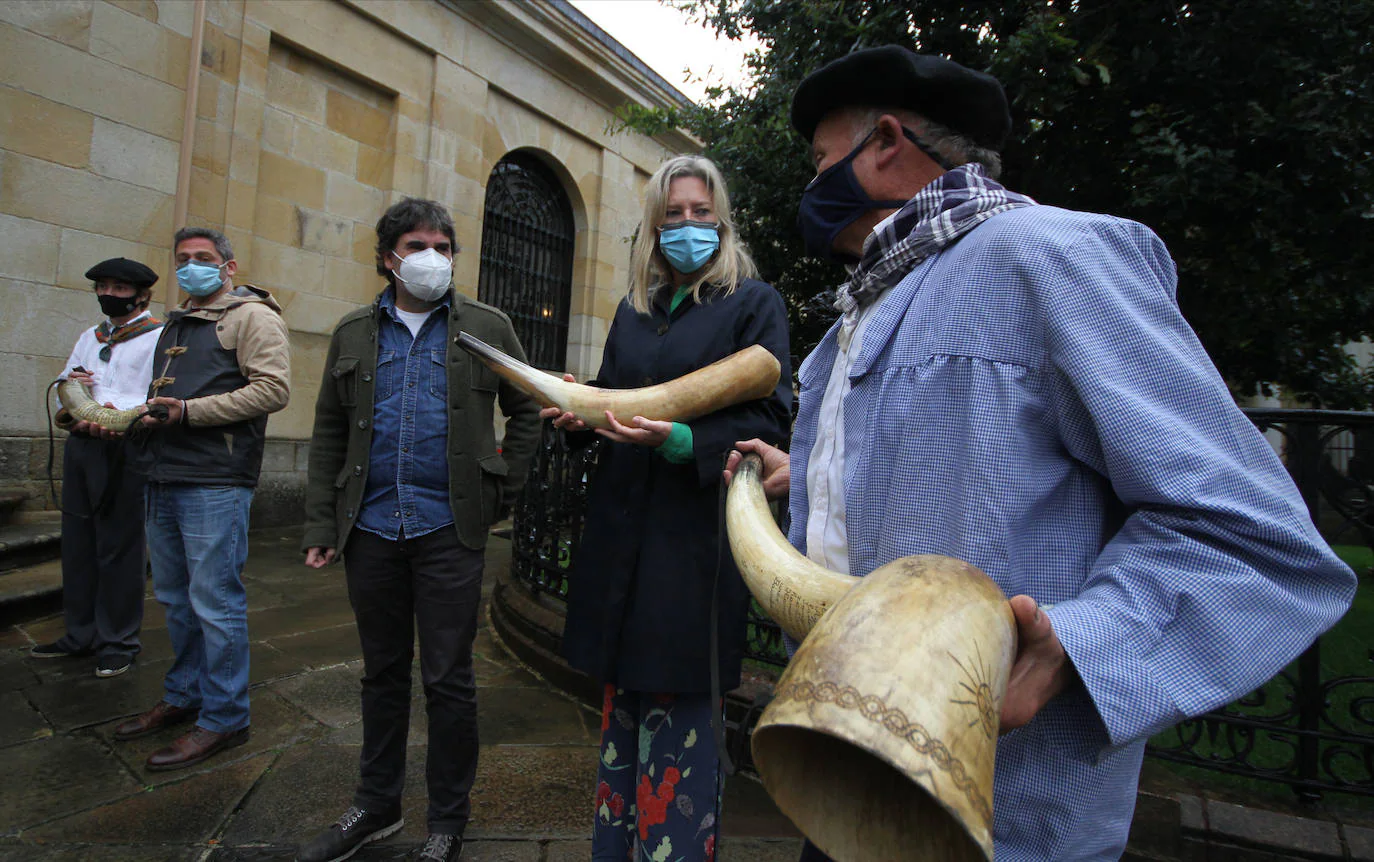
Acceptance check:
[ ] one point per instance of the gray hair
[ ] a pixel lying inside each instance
(957, 149)
(222, 246)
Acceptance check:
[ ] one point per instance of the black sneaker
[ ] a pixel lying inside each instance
(441, 848)
(56, 650)
(354, 829)
(113, 664)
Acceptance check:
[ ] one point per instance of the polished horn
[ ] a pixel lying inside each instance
(880, 738)
(79, 403)
(746, 375)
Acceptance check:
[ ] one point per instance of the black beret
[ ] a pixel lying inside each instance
(125, 270)
(971, 103)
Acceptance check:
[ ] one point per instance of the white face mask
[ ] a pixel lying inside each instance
(425, 274)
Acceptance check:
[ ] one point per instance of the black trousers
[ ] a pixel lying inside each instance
(104, 556)
(433, 585)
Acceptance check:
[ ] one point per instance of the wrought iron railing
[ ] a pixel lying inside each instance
(1311, 727)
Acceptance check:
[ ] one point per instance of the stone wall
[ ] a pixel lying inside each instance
(311, 117)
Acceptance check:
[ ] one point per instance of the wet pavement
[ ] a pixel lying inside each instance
(70, 792)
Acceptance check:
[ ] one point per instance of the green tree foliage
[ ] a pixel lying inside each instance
(1239, 130)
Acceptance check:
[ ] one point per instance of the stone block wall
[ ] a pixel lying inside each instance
(311, 117)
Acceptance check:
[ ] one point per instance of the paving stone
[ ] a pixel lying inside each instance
(1270, 828)
(183, 812)
(523, 716)
(298, 618)
(39, 779)
(73, 701)
(330, 696)
(747, 809)
(13, 637)
(757, 849)
(324, 648)
(1360, 840)
(67, 852)
(306, 790)
(502, 851)
(266, 663)
(15, 672)
(19, 721)
(535, 791)
(1155, 826)
(569, 851)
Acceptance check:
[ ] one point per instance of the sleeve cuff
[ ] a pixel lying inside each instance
(677, 449)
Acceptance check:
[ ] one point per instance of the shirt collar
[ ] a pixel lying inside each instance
(387, 301)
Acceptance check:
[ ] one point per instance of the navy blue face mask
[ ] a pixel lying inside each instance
(835, 199)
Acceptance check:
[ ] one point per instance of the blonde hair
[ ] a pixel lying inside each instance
(649, 271)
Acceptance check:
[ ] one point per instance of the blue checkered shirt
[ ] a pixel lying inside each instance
(1030, 400)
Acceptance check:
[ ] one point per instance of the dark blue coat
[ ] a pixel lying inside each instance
(639, 592)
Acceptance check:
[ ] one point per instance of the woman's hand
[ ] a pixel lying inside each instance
(777, 477)
(318, 558)
(566, 421)
(640, 431)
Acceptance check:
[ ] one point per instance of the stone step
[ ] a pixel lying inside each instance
(26, 544)
(30, 591)
(10, 501)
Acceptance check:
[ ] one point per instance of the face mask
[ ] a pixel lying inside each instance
(835, 199)
(116, 306)
(688, 245)
(200, 279)
(425, 274)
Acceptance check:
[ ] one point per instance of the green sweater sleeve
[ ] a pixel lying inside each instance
(677, 449)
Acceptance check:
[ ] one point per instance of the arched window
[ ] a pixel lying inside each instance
(527, 256)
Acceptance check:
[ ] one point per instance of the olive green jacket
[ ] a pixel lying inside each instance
(482, 481)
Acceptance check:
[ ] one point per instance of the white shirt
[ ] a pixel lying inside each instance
(413, 320)
(827, 537)
(124, 380)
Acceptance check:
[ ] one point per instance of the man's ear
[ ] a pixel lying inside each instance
(231, 268)
(889, 135)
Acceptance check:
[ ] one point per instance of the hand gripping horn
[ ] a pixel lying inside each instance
(880, 739)
(76, 398)
(746, 375)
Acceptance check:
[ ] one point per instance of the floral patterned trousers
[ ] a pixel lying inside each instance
(658, 783)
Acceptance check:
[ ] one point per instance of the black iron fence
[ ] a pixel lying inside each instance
(1311, 727)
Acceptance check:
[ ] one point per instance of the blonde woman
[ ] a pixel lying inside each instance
(645, 580)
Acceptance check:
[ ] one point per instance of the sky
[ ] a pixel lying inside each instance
(669, 43)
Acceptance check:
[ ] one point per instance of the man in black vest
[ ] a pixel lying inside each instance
(222, 365)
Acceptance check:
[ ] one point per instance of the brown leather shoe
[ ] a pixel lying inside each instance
(191, 748)
(160, 716)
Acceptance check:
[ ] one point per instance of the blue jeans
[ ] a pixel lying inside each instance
(198, 543)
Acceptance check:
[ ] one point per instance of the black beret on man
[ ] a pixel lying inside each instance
(971, 103)
(123, 270)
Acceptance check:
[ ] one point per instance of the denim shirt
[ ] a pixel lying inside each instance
(407, 480)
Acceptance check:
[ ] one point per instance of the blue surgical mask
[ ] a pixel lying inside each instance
(200, 279)
(688, 245)
(835, 199)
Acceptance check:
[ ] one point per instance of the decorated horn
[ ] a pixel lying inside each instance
(880, 738)
(79, 403)
(746, 375)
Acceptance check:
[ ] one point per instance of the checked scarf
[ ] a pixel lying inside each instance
(946, 209)
(110, 336)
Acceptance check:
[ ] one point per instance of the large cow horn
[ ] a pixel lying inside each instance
(743, 376)
(81, 405)
(880, 739)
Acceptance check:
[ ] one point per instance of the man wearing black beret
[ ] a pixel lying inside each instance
(1013, 385)
(103, 554)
